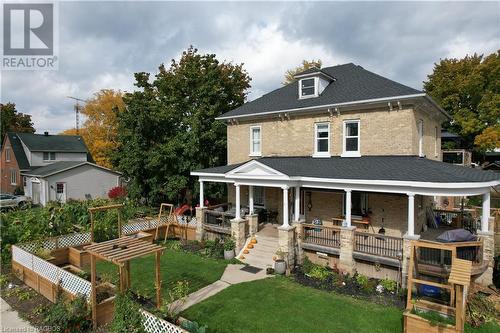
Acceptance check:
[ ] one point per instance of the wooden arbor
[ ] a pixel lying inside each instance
(168, 217)
(458, 283)
(120, 251)
(94, 210)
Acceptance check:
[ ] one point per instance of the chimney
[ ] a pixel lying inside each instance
(46, 133)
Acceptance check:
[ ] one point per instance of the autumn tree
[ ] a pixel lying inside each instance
(306, 64)
(99, 130)
(469, 90)
(13, 121)
(168, 127)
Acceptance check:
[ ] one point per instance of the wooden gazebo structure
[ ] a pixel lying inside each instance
(120, 251)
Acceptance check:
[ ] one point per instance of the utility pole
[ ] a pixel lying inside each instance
(77, 112)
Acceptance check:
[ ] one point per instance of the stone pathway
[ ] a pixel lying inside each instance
(10, 321)
(232, 275)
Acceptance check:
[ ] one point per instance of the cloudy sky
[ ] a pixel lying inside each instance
(103, 44)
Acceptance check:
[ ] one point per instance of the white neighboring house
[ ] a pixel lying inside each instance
(59, 168)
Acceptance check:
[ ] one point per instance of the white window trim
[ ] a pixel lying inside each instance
(316, 88)
(420, 138)
(49, 159)
(13, 172)
(253, 153)
(321, 154)
(7, 154)
(351, 153)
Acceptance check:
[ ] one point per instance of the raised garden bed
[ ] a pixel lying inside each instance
(414, 323)
(145, 236)
(78, 257)
(105, 296)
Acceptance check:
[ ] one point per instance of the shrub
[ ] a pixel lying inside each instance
(68, 316)
(229, 244)
(118, 192)
(389, 285)
(307, 265)
(214, 248)
(362, 281)
(193, 327)
(319, 272)
(19, 190)
(479, 310)
(127, 316)
(177, 296)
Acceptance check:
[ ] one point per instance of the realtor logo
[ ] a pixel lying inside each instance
(29, 36)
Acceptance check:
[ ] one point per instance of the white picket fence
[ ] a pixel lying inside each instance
(153, 324)
(73, 284)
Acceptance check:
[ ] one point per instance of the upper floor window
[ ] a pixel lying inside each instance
(13, 176)
(7, 154)
(49, 156)
(351, 139)
(322, 140)
(308, 88)
(255, 141)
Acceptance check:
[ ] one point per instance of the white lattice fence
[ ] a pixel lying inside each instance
(57, 242)
(145, 224)
(68, 281)
(153, 324)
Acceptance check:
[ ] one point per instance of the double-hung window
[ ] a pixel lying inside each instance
(13, 177)
(255, 141)
(7, 154)
(322, 140)
(307, 88)
(49, 156)
(351, 139)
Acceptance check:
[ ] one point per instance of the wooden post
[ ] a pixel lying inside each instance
(158, 279)
(459, 309)
(93, 290)
(127, 267)
(119, 222)
(410, 275)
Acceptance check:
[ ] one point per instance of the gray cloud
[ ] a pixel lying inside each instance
(103, 44)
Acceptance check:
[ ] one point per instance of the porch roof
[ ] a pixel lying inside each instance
(386, 168)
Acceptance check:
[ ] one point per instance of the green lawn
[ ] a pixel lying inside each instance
(175, 266)
(280, 305)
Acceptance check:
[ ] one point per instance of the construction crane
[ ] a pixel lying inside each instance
(77, 111)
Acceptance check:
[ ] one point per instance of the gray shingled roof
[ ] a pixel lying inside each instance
(55, 143)
(353, 83)
(58, 167)
(17, 148)
(393, 168)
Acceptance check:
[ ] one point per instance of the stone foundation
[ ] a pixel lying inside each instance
(406, 257)
(253, 224)
(488, 253)
(200, 215)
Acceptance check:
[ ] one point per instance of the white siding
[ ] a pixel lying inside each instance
(37, 158)
(86, 179)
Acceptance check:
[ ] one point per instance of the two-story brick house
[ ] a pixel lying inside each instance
(355, 153)
(52, 168)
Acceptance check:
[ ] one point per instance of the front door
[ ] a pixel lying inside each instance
(35, 192)
(61, 192)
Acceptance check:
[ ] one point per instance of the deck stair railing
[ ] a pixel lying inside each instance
(379, 245)
(322, 235)
(216, 220)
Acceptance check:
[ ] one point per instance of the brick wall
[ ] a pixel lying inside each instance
(382, 132)
(6, 167)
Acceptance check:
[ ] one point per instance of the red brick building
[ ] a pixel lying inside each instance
(13, 161)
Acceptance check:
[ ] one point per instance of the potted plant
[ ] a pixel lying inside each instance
(280, 263)
(229, 246)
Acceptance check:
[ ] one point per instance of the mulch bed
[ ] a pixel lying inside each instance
(347, 286)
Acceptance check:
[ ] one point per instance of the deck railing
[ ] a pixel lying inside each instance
(379, 245)
(471, 251)
(321, 235)
(217, 221)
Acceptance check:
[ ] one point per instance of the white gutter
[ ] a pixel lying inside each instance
(325, 106)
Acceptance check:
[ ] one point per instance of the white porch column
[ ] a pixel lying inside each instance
(348, 204)
(411, 214)
(250, 199)
(202, 200)
(285, 206)
(486, 212)
(238, 208)
(297, 204)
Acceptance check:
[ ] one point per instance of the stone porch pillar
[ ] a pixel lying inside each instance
(200, 216)
(253, 224)
(238, 233)
(299, 237)
(346, 260)
(488, 238)
(286, 240)
(405, 260)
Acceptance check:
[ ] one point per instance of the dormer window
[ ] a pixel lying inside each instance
(49, 156)
(308, 88)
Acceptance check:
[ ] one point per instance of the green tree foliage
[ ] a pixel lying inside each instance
(469, 90)
(306, 64)
(13, 121)
(168, 127)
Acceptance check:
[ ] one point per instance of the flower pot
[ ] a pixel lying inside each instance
(280, 266)
(228, 254)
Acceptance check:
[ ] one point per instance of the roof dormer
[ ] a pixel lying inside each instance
(312, 82)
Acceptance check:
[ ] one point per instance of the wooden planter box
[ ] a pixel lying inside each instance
(106, 309)
(416, 324)
(78, 257)
(142, 235)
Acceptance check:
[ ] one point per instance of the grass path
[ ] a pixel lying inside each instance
(175, 266)
(280, 305)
